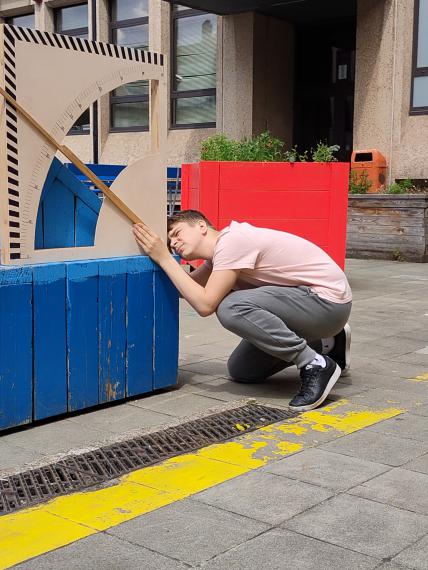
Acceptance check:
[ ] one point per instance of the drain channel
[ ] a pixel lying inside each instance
(80, 472)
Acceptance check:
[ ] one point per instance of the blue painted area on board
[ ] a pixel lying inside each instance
(140, 326)
(82, 334)
(166, 331)
(112, 329)
(50, 340)
(16, 330)
(68, 211)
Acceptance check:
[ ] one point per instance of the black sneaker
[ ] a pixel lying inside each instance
(317, 383)
(341, 352)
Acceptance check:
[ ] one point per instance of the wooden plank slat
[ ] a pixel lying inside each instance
(112, 329)
(166, 331)
(16, 361)
(50, 354)
(82, 334)
(140, 326)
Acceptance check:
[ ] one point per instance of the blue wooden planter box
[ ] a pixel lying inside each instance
(77, 334)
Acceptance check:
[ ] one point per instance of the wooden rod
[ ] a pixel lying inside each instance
(75, 160)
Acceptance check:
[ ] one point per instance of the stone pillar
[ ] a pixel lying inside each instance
(44, 17)
(236, 76)
(374, 78)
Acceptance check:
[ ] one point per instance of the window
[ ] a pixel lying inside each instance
(419, 92)
(193, 96)
(129, 104)
(24, 21)
(73, 21)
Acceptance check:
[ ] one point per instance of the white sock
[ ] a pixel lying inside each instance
(318, 361)
(327, 344)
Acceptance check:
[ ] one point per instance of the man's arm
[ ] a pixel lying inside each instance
(204, 300)
(201, 275)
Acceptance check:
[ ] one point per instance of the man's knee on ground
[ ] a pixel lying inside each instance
(236, 373)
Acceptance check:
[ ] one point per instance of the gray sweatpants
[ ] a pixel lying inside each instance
(279, 326)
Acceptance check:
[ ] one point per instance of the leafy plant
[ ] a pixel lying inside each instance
(359, 184)
(401, 187)
(262, 148)
(324, 152)
(293, 155)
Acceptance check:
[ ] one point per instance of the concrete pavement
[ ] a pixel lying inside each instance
(347, 491)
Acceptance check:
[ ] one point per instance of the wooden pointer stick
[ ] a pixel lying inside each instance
(75, 160)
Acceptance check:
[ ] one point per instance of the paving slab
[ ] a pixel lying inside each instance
(55, 437)
(189, 531)
(377, 447)
(177, 405)
(212, 367)
(415, 556)
(423, 409)
(264, 497)
(361, 525)
(398, 487)
(283, 550)
(119, 419)
(327, 469)
(102, 551)
(13, 455)
(406, 425)
(397, 398)
(420, 464)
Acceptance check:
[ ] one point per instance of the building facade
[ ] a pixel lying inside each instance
(353, 73)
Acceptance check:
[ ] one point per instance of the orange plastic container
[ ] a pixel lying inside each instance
(371, 162)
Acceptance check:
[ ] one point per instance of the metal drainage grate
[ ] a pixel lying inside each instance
(79, 472)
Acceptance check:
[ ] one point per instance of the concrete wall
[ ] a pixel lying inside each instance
(383, 83)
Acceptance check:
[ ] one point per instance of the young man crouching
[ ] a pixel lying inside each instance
(284, 296)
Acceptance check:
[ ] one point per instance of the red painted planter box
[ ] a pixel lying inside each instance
(306, 199)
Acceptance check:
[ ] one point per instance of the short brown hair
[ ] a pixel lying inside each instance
(189, 216)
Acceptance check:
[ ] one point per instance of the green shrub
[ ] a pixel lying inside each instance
(293, 155)
(262, 148)
(324, 152)
(401, 187)
(359, 184)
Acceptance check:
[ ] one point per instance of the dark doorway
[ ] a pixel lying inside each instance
(324, 85)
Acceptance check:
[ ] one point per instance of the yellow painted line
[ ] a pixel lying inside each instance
(38, 530)
(422, 378)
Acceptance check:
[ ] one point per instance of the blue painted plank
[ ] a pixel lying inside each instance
(82, 334)
(76, 187)
(112, 329)
(139, 318)
(58, 215)
(16, 358)
(86, 222)
(50, 341)
(53, 171)
(166, 331)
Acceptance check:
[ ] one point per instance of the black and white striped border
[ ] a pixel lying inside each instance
(87, 46)
(12, 146)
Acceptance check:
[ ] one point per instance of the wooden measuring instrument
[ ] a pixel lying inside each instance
(75, 160)
(55, 78)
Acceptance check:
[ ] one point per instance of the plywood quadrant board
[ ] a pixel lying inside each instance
(55, 78)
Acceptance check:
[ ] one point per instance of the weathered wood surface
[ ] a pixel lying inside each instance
(93, 332)
(385, 227)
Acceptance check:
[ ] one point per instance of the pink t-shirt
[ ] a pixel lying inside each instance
(271, 257)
